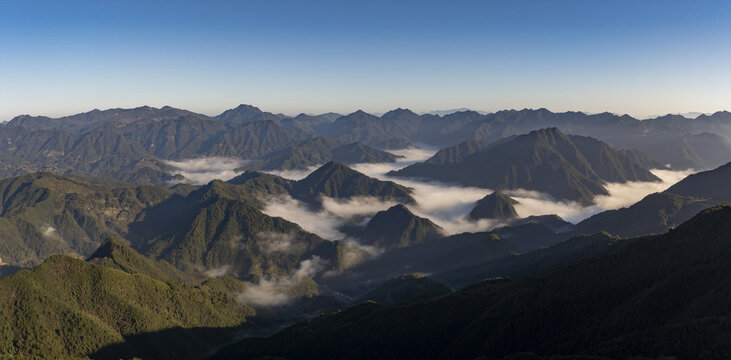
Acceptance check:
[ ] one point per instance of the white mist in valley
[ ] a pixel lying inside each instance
(326, 222)
(278, 290)
(444, 204)
(297, 174)
(620, 195)
(203, 170)
(447, 205)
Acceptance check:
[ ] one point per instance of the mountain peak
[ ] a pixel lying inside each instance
(247, 107)
(548, 131)
(397, 210)
(333, 166)
(337, 180)
(107, 249)
(399, 227)
(495, 206)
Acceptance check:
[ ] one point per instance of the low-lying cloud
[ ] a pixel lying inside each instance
(271, 242)
(293, 174)
(448, 205)
(218, 271)
(202, 170)
(620, 195)
(279, 291)
(354, 253)
(444, 204)
(321, 223)
(326, 222)
(49, 231)
(357, 206)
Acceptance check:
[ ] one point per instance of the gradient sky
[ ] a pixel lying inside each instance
(637, 57)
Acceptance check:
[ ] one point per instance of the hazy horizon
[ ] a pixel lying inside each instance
(441, 112)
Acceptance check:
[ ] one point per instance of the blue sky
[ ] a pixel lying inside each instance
(636, 57)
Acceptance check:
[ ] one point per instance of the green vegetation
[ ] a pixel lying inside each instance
(116, 254)
(44, 214)
(67, 308)
(220, 229)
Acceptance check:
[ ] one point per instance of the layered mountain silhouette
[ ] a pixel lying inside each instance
(38, 143)
(659, 211)
(635, 301)
(177, 271)
(321, 150)
(563, 166)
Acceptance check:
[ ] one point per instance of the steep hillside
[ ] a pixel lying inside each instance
(406, 288)
(44, 214)
(68, 308)
(635, 301)
(220, 228)
(339, 181)
(660, 211)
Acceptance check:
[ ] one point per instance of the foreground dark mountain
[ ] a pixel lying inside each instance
(563, 166)
(636, 301)
(661, 211)
(406, 288)
(69, 308)
(445, 254)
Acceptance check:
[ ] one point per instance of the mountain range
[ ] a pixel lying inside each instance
(639, 300)
(107, 252)
(125, 142)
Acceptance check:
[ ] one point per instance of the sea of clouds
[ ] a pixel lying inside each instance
(202, 170)
(447, 205)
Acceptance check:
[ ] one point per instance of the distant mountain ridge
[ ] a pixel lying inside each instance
(153, 134)
(320, 150)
